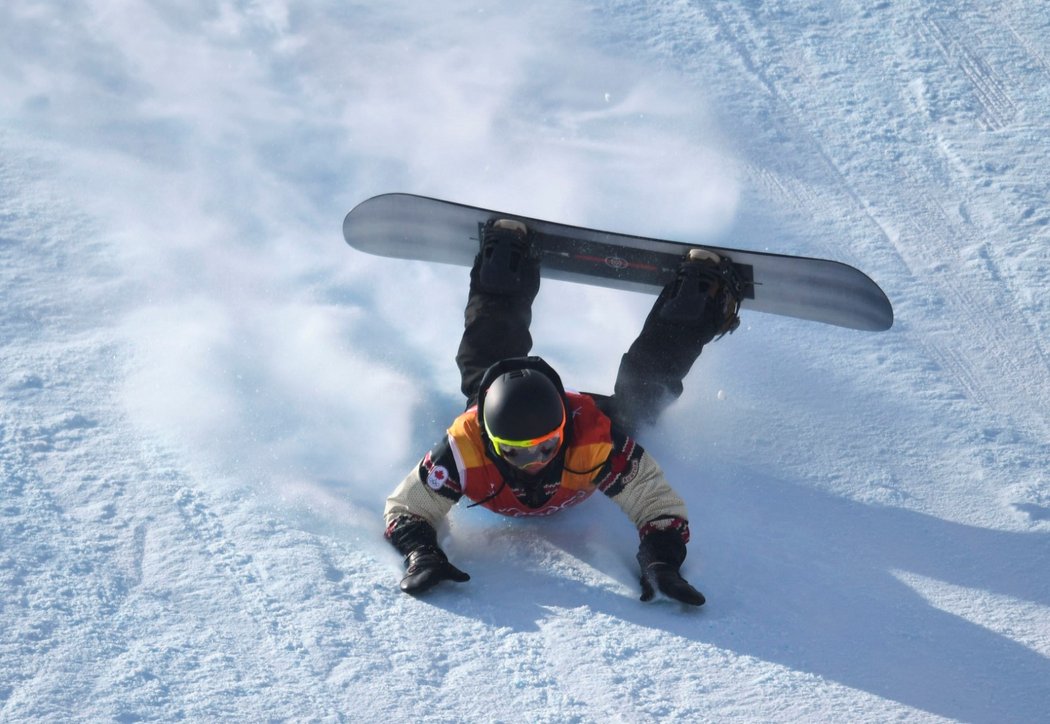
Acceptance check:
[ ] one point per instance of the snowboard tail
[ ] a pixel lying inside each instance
(405, 226)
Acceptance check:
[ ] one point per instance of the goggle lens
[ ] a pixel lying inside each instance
(523, 457)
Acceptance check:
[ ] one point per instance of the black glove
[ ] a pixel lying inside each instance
(426, 567)
(669, 581)
(660, 555)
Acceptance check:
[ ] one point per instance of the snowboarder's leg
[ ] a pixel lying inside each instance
(699, 303)
(503, 284)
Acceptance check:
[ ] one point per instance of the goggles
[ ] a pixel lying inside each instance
(525, 454)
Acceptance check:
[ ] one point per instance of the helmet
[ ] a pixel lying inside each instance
(524, 418)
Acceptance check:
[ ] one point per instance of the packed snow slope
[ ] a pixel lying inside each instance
(205, 395)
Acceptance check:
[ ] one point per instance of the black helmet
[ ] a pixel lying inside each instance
(522, 404)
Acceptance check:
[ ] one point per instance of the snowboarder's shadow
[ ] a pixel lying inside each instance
(807, 580)
(810, 581)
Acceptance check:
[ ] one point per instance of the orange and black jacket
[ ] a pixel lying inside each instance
(595, 456)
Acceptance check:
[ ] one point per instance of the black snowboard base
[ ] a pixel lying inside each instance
(406, 226)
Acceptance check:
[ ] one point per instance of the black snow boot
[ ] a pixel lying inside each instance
(506, 262)
(706, 292)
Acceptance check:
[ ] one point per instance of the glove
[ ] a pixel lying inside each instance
(660, 555)
(426, 567)
(666, 578)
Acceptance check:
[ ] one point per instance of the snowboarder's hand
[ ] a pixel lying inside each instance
(660, 555)
(426, 567)
(665, 578)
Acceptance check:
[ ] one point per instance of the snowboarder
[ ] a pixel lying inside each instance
(527, 447)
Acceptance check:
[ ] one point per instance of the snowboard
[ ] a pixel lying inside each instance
(406, 226)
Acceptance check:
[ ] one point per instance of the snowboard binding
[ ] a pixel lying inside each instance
(506, 262)
(707, 289)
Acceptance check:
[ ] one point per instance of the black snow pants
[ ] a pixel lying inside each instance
(650, 374)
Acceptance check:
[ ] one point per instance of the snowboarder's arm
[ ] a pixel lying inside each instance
(426, 494)
(414, 499)
(637, 484)
(413, 512)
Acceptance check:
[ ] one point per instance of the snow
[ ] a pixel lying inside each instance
(205, 395)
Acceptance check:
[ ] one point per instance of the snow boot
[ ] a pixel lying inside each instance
(507, 263)
(706, 290)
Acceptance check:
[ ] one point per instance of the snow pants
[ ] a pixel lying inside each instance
(650, 373)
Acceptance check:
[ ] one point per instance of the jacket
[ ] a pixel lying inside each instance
(595, 456)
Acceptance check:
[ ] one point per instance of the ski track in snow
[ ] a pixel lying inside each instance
(206, 396)
(949, 240)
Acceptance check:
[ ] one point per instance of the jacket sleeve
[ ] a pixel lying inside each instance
(422, 500)
(635, 482)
